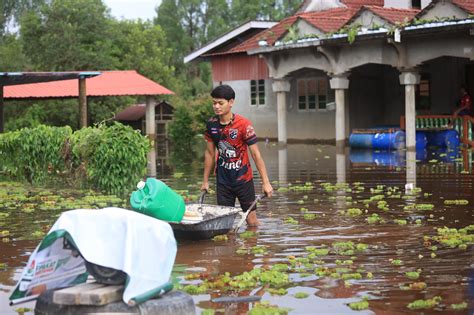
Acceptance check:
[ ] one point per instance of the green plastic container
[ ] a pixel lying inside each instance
(157, 200)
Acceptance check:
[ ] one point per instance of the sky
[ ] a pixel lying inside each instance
(133, 9)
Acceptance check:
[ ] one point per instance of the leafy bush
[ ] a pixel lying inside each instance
(109, 158)
(118, 160)
(190, 120)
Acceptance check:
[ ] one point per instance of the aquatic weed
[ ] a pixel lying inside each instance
(425, 304)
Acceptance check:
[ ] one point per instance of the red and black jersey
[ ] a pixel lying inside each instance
(232, 141)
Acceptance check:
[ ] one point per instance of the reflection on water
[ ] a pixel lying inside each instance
(355, 178)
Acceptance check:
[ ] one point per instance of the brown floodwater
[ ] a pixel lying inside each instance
(300, 174)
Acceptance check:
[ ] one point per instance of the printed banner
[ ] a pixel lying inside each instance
(50, 266)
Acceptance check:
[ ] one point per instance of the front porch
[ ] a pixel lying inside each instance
(373, 82)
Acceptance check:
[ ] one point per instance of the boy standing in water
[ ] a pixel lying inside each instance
(232, 135)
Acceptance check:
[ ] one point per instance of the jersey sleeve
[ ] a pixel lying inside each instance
(249, 134)
(207, 134)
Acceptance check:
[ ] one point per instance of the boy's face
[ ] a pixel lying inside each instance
(222, 106)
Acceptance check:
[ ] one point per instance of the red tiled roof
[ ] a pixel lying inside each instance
(271, 36)
(392, 15)
(359, 3)
(467, 5)
(327, 21)
(109, 83)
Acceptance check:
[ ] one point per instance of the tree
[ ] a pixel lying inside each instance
(142, 46)
(68, 35)
(11, 11)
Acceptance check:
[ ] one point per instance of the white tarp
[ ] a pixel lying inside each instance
(141, 246)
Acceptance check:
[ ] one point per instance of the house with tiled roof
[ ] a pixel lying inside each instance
(340, 65)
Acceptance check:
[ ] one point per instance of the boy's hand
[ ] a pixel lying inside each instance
(267, 189)
(205, 187)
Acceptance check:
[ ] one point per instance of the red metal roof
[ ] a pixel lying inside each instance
(109, 83)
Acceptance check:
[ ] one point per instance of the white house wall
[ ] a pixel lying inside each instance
(444, 9)
(368, 19)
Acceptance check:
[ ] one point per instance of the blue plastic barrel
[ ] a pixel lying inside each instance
(378, 140)
(421, 140)
(443, 138)
(361, 140)
(389, 140)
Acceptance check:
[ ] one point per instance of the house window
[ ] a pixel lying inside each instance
(312, 94)
(416, 4)
(423, 101)
(257, 92)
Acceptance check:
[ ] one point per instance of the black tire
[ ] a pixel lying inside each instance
(106, 275)
(171, 303)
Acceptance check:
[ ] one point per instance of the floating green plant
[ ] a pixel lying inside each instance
(456, 202)
(354, 212)
(413, 275)
(258, 250)
(301, 295)
(280, 291)
(247, 234)
(290, 220)
(374, 219)
(459, 306)
(309, 216)
(195, 289)
(220, 238)
(396, 262)
(400, 221)
(208, 311)
(359, 306)
(265, 308)
(424, 304)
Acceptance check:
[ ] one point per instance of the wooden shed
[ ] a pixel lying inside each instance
(134, 116)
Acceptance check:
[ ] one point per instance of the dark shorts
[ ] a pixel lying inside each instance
(465, 112)
(245, 192)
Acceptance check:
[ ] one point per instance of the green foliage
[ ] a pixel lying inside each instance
(181, 131)
(68, 35)
(189, 120)
(111, 159)
(118, 159)
(11, 54)
(40, 151)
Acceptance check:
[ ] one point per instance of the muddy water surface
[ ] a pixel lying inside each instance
(342, 225)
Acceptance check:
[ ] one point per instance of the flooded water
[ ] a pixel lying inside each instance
(341, 228)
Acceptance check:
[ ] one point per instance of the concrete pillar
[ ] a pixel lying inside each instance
(82, 103)
(2, 120)
(283, 165)
(410, 170)
(150, 125)
(410, 79)
(281, 88)
(340, 83)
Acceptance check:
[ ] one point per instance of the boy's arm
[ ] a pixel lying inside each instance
(209, 157)
(257, 158)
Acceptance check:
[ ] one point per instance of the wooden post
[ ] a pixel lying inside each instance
(82, 103)
(151, 133)
(1, 110)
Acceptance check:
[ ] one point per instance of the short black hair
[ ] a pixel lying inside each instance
(223, 91)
